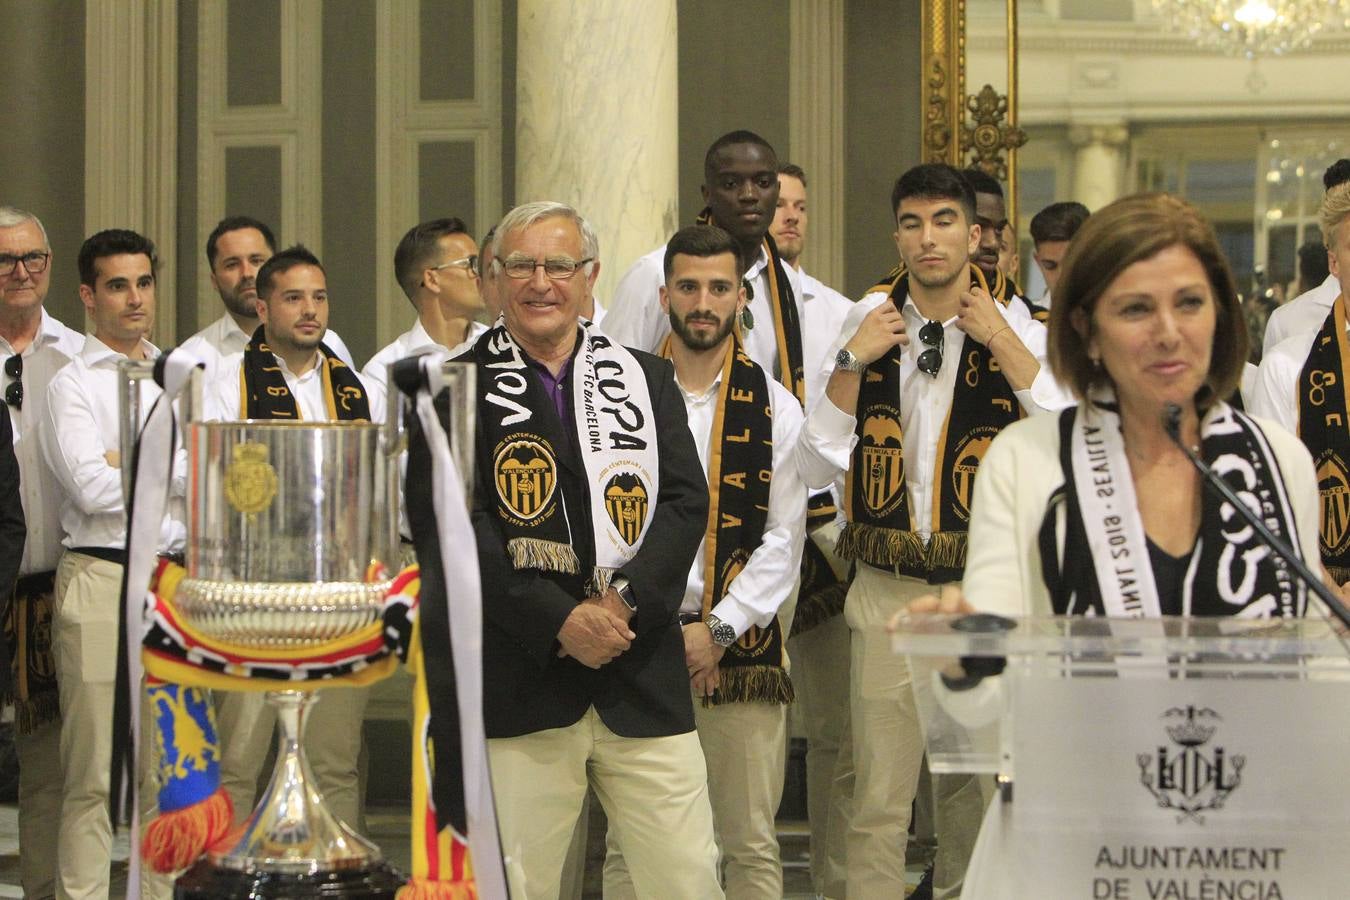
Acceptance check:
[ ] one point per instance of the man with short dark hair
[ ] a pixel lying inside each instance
(289, 372)
(744, 425)
(235, 250)
(34, 346)
(80, 437)
(927, 373)
(740, 190)
(1051, 230)
(589, 507)
(437, 266)
(1307, 312)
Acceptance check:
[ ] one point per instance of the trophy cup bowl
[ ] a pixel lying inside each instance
(292, 541)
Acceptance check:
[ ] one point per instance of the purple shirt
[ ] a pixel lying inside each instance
(557, 389)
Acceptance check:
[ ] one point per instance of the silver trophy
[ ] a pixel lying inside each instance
(293, 538)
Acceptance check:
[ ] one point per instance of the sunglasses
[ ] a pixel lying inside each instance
(14, 392)
(930, 360)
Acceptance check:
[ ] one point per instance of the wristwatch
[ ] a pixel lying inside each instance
(846, 361)
(625, 591)
(723, 635)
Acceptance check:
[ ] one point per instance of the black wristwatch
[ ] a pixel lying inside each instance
(723, 635)
(625, 591)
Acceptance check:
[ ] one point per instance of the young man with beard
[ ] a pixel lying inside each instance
(34, 346)
(289, 372)
(235, 250)
(81, 441)
(927, 373)
(745, 426)
(740, 190)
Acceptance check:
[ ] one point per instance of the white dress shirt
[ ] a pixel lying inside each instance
(307, 389)
(81, 424)
(825, 452)
(634, 317)
(823, 312)
(413, 342)
(770, 573)
(1306, 312)
(48, 352)
(1275, 395)
(224, 337)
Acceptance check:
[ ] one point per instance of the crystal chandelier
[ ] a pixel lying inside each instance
(1252, 28)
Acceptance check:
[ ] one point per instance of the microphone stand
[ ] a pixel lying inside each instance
(1172, 425)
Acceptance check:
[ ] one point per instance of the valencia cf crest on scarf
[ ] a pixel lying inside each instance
(526, 474)
(965, 462)
(883, 461)
(1324, 427)
(626, 501)
(1333, 486)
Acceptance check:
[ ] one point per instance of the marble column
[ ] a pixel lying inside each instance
(596, 120)
(1099, 162)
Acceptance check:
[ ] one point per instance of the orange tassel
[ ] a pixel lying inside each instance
(426, 889)
(174, 840)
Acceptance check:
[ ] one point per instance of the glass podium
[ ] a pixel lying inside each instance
(1144, 758)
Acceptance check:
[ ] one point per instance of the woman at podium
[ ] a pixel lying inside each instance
(1097, 510)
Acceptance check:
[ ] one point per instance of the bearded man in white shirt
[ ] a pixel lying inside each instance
(437, 266)
(235, 250)
(289, 372)
(744, 425)
(926, 374)
(33, 347)
(80, 437)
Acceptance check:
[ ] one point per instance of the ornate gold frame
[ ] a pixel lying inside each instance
(945, 134)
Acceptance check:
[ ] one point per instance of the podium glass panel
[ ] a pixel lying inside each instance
(1168, 758)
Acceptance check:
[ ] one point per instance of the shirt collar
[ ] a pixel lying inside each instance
(760, 263)
(703, 397)
(95, 351)
(312, 370)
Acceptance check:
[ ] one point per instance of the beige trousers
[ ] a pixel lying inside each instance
(84, 642)
(39, 808)
(887, 749)
(820, 667)
(654, 791)
(332, 743)
(744, 745)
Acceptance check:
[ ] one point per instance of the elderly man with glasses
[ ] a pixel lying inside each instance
(590, 505)
(33, 346)
(436, 264)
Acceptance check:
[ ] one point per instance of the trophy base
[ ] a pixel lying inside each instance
(204, 881)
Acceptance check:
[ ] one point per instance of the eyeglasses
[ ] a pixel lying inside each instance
(469, 262)
(930, 360)
(557, 267)
(35, 262)
(14, 392)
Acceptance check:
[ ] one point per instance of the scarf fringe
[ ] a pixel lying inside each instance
(36, 711)
(1339, 574)
(173, 840)
(947, 550)
(886, 547)
(546, 556)
(426, 889)
(752, 684)
(819, 608)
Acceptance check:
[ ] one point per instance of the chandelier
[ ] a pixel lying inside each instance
(1252, 28)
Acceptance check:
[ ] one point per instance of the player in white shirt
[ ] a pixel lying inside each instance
(734, 643)
(235, 250)
(288, 372)
(80, 438)
(34, 346)
(437, 266)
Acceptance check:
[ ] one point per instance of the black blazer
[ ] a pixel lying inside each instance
(645, 691)
(13, 532)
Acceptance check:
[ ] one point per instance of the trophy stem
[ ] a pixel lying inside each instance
(292, 844)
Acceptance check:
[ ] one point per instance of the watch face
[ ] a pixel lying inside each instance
(723, 634)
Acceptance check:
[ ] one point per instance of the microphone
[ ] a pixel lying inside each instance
(1171, 422)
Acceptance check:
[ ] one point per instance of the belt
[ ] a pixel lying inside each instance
(119, 555)
(35, 584)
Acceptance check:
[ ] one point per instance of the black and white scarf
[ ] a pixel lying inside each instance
(615, 441)
(1094, 554)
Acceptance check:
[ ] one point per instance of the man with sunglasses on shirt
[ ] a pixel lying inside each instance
(33, 347)
(926, 373)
